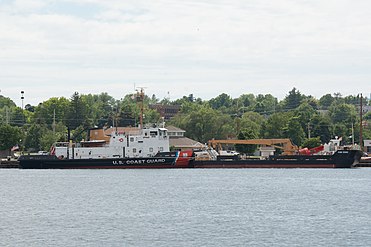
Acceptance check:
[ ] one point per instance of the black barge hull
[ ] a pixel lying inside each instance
(341, 159)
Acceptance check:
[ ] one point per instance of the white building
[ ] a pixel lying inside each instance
(367, 146)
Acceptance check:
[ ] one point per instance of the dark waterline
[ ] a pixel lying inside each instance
(211, 207)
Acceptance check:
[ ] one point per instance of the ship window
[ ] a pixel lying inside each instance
(153, 133)
(131, 139)
(151, 149)
(134, 150)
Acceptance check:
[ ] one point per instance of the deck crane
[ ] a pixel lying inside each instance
(285, 144)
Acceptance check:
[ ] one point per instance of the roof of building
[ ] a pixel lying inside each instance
(185, 142)
(172, 128)
(164, 106)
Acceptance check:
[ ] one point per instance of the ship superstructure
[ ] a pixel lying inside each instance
(136, 143)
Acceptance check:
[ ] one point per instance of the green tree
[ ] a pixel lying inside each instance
(102, 110)
(5, 101)
(242, 104)
(294, 131)
(305, 112)
(246, 135)
(34, 134)
(338, 98)
(342, 130)
(186, 100)
(250, 122)
(9, 136)
(223, 100)
(53, 109)
(47, 140)
(259, 107)
(7, 109)
(276, 124)
(313, 102)
(312, 142)
(265, 104)
(204, 123)
(325, 101)
(353, 100)
(293, 100)
(12, 115)
(77, 112)
(151, 116)
(343, 113)
(154, 99)
(321, 126)
(129, 111)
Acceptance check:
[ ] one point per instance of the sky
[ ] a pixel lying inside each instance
(173, 48)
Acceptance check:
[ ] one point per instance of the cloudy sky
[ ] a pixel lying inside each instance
(53, 48)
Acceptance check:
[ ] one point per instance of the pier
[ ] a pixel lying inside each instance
(9, 164)
(364, 163)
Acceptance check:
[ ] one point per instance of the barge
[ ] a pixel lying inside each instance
(340, 159)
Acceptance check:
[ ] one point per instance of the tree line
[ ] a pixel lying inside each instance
(307, 121)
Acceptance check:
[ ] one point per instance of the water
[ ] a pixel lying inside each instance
(205, 207)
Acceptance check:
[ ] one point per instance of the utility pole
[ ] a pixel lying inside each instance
(361, 125)
(140, 99)
(53, 122)
(352, 134)
(7, 114)
(22, 98)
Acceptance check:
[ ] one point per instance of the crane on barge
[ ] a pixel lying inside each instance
(285, 144)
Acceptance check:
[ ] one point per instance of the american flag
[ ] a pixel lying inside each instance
(14, 148)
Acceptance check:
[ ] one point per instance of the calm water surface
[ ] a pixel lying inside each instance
(205, 207)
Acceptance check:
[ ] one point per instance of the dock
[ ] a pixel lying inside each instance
(9, 164)
(364, 163)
